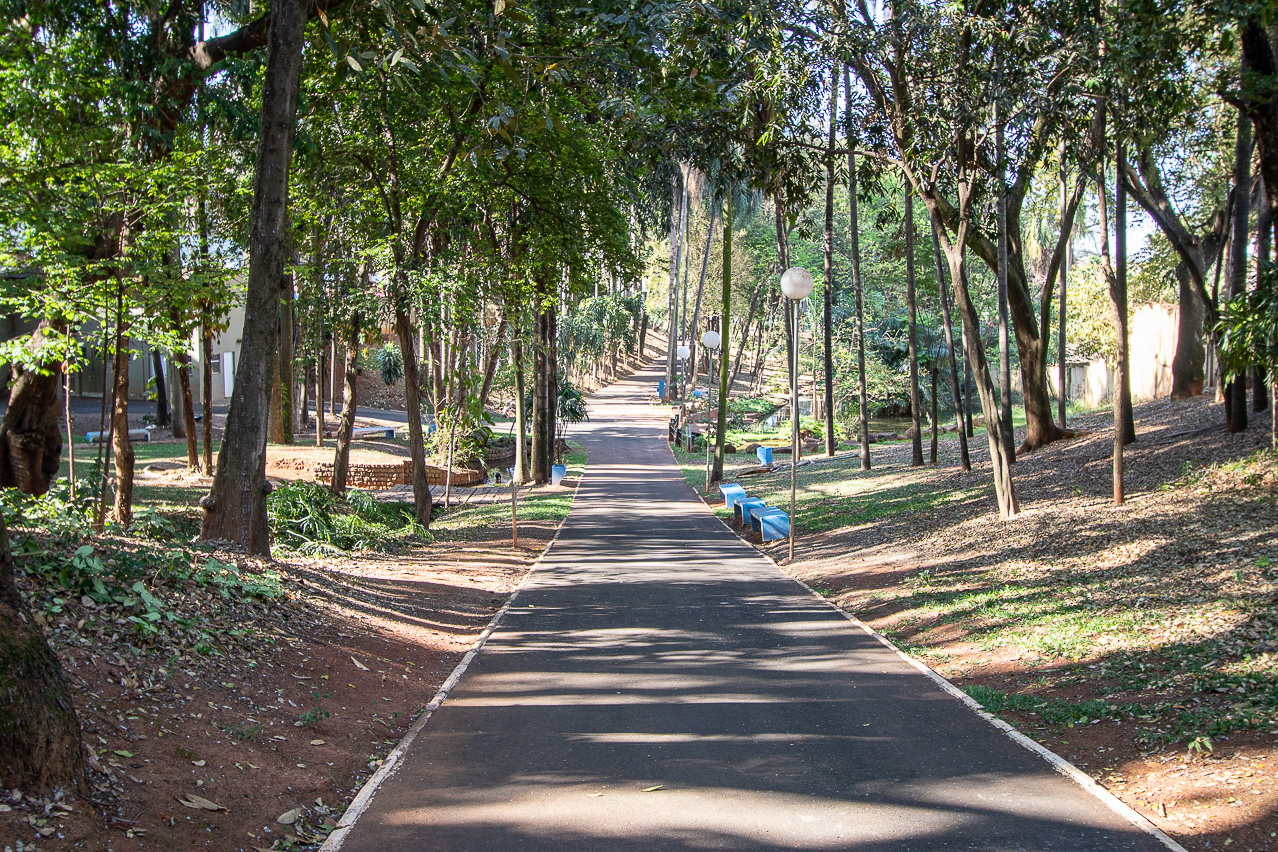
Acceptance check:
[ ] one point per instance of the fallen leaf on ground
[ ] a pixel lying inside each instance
(199, 803)
(652, 789)
(359, 665)
(593, 795)
(289, 817)
(317, 742)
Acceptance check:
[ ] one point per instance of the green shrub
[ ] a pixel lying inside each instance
(307, 518)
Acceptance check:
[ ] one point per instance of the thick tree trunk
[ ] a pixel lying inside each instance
(1236, 389)
(283, 391)
(30, 440)
(1001, 272)
(854, 244)
(911, 301)
(1118, 297)
(163, 418)
(1190, 356)
(235, 508)
(964, 457)
(1062, 353)
(320, 369)
(413, 402)
(346, 426)
(40, 744)
(120, 443)
(1260, 64)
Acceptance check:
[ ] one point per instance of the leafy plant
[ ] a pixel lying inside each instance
(307, 518)
(390, 363)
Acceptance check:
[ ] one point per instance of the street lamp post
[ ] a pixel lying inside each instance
(796, 284)
(710, 340)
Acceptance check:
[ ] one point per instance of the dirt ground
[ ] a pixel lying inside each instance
(1165, 604)
(261, 742)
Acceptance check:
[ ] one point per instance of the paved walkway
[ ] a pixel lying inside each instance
(657, 685)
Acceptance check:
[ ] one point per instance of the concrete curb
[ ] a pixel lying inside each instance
(364, 797)
(1060, 764)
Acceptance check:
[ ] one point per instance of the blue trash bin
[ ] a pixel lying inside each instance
(661, 388)
(557, 473)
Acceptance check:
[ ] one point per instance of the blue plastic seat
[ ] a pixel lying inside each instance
(764, 454)
(741, 509)
(731, 492)
(757, 516)
(775, 525)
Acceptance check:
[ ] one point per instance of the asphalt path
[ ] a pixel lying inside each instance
(657, 685)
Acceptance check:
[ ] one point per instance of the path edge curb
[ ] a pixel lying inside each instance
(1058, 763)
(391, 765)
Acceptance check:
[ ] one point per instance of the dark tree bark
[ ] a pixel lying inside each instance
(1260, 65)
(163, 418)
(1264, 229)
(40, 744)
(235, 508)
(123, 447)
(413, 402)
(206, 392)
(854, 244)
(1118, 296)
(1062, 354)
(320, 369)
(30, 440)
(282, 393)
(911, 300)
(346, 426)
(1236, 388)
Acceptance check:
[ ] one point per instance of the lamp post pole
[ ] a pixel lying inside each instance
(796, 284)
(710, 340)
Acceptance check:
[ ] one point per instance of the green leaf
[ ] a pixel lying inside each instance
(354, 63)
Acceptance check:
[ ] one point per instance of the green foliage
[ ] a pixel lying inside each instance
(307, 518)
(390, 363)
(1247, 332)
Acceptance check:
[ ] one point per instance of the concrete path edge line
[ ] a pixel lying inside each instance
(1060, 764)
(364, 797)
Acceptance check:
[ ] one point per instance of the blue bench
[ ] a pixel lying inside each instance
(731, 493)
(759, 513)
(775, 525)
(374, 432)
(764, 455)
(741, 510)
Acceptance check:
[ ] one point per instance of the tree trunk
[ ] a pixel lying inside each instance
(1236, 389)
(30, 440)
(490, 365)
(1062, 354)
(1190, 357)
(721, 427)
(235, 508)
(745, 336)
(1260, 65)
(285, 388)
(120, 443)
(163, 418)
(854, 244)
(911, 301)
(1004, 320)
(346, 426)
(701, 283)
(413, 402)
(672, 312)
(40, 744)
(967, 385)
(183, 371)
(1264, 228)
(827, 316)
(1118, 296)
(521, 414)
(320, 369)
(964, 457)
(206, 391)
(934, 407)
